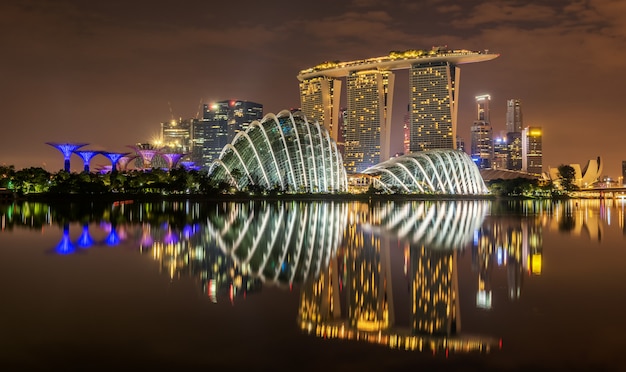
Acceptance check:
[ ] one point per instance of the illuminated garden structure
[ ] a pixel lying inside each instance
(284, 151)
(86, 155)
(125, 160)
(147, 152)
(67, 149)
(172, 159)
(433, 171)
(114, 157)
(189, 165)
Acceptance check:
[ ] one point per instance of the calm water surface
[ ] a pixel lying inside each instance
(430, 285)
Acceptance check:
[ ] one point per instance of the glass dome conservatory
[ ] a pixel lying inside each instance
(282, 151)
(433, 171)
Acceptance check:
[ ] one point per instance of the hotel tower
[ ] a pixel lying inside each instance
(433, 84)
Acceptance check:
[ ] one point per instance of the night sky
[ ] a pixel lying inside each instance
(108, 72)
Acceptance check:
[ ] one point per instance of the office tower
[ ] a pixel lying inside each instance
(433, 77)
(500, 153)
(481, 150)
(623, 172)
(514, 147)
(240, 115)
(514, 122)
(220, 123)
(531, 150)
(176, 135)
(369, 118)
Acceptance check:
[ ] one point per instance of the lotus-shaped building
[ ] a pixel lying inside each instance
(282, 151)
(433, 171)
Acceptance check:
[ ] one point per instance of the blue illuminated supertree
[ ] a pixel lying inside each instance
(66, 149)
(114, 157)
(86, 155)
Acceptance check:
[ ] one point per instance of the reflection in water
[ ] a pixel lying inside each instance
(360, 278)
(352, 261)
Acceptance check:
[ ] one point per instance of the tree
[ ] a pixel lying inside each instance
(567, 176)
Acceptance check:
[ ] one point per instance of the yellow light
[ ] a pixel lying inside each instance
(536, 263)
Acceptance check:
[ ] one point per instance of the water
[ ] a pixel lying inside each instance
(446, 285)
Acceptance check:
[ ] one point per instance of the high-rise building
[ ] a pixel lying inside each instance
(368, 117)
(433, 76)
(532, 157)
(318, 102)
(623, 171)
(500, 153)
(176, 135)
(240, 115)
(481, 148)
(433, 105)
(514, 149)
(220, 123)
(514, 122)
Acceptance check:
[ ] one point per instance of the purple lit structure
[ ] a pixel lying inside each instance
(125, 160)
(114, 157)
(147, 152)
(86, 155)
(67, 149)
(172, 159)
(189, 165)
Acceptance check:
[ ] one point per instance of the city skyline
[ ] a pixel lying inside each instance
(108, 74)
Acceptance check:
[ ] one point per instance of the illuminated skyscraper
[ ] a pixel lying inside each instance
(514, 122)
(220, 123)
(514, 148)
(240, 115)
(433, 77)
(532, 156)
(369, 117)
(318, 102)
(433, 107)
(482, 145)
(176, 135)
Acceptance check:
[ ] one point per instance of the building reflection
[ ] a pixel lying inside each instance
(361, 278)
(353, 262)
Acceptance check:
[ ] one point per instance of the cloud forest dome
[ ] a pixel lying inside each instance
(284, 151)
(439, 171)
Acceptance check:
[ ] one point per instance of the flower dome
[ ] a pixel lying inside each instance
(433, 171)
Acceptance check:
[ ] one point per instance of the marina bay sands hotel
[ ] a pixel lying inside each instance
(433, 90)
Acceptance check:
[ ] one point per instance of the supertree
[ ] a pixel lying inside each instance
(172, 159)
(86, 155)
(66, 149)
(114, 157)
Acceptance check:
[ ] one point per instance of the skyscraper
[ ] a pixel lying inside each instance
(514, 148)
(531, 150)
(433, 77)
(433, 106)
(220, 123)
(481, 150)
(368, 117)
(176, 135)
(514, 120)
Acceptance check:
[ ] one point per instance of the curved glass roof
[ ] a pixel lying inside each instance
(433, 171)
(282, 151)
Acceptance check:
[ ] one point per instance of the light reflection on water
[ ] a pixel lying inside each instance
(352, 262)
